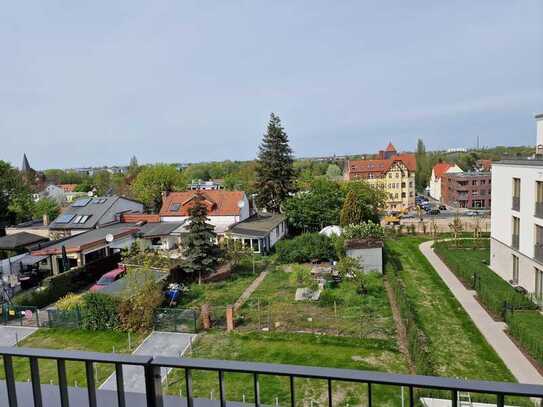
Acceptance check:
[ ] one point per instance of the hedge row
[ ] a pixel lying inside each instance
(526, 328)
(305, 248)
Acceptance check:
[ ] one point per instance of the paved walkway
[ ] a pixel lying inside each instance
(9, 335)
(493, 331)
(249, 290)
(156, 344)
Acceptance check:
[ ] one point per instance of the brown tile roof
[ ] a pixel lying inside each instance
(218, 202)
(441, 168)
(139, 217)
(68, 187)
(380, 167)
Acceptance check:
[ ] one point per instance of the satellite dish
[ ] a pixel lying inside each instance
(241, 204)
(110, 238)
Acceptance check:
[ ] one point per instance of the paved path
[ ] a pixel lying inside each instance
(249, 290)
(493, 331)
(156, 344)
(9, 334)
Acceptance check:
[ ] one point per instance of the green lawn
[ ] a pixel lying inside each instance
(457, 347)
(225, 292)
(67, 339)
(273, 306)
(299, 349)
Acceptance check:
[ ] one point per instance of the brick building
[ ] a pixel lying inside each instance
(466, 189)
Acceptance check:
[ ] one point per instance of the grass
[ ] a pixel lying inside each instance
(470, 259)
(68, 339)
(456, 346)
(526, 328)
(273, 306)
(299, 349)
(223, 293)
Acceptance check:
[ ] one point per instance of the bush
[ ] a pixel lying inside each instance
(99, 312)
(305, 248)
(70, 302)
(363, 231)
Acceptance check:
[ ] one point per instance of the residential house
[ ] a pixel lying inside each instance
(392, 172)
(516, 238)
(435, 179)
(90, 213)
(70, 192)
(467, 189)
(224, 208)
(259, 232)
(206, 185)
(19, 243)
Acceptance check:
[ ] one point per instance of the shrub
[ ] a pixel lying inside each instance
(305, 248)
(70, 302)
(301, 277)
(364, 231)
(99, 312)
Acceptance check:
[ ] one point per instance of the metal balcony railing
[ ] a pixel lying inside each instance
(516, 203)
(539, 209)
(33, 392)
(515, 241)
(538, 252)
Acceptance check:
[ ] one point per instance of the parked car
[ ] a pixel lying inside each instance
(392, 218)
(109, 278)
(434, 211)
(471, 213)
(408, 216)
(442, 207)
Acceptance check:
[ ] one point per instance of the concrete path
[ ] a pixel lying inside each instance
(156, 344)
(493, 331)
(9, 335)
(249, 290)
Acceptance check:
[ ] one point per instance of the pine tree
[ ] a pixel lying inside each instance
(274, 171)
(200, 249)
(422, 173)
(352, 212)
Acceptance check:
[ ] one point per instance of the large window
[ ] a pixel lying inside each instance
(538, 247)
(516, 232)
(516, 194)
(538, 283)
(515, 270)
(539, 199)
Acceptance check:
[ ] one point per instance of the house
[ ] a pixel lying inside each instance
(369, 253)
(467, 189)
(155, 234)
(90, 213)
(70, 192)
(392, 172)
(435, 179)
(224, 208)
(36, 227)
(19, 242)
(516, 237)
(259, 232)
(206, 185)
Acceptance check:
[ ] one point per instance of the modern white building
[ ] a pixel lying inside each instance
(435, 179)
(516, 242)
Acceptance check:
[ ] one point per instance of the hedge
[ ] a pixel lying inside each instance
(305, 248)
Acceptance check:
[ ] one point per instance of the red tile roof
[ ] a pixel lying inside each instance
(390, 147)
(139, 217)
(441, 168)
(380, 167)
(218, 202)
(68, 187)
(486, 165)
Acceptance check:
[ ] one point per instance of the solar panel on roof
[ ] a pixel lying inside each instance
(81, 202)
(64, 218)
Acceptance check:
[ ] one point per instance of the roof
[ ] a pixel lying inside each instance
(363, 243)
(68, 187)
(95, 208)
(218, 202)
(85, 240)
(259, 225)
(383, 165)
(140, 217)
(486, 165)
(25, 166)
(470, 174)
(441, 168)
(160, 229)
(18, 240)
(390, 148)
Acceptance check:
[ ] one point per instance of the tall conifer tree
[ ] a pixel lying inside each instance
(274, 171)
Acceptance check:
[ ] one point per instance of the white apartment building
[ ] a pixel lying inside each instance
(516, 242)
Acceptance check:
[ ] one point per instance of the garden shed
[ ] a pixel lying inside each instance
(369, 253)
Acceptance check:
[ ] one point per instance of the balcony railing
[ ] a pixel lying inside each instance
(516, 203)
(538, 252)
(515, 241)
(539, 209)
(27, 394)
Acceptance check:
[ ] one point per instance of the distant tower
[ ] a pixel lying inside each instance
(25, 166)
(477, 142)
(390, 151)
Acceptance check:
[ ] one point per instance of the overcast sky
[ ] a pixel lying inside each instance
(90, 83)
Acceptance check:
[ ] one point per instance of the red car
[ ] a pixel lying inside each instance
(109, 278)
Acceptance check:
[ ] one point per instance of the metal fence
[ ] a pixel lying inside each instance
(176, 320)
(20, 315)
(449, 391)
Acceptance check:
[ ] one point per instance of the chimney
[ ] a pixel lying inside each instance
(45, 219)
(539, 139)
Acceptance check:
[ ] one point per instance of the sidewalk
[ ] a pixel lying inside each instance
(493, 331)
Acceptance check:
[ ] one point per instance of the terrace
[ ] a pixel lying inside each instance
(34, 393)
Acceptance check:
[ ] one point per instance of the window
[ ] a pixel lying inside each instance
(516, 194)
(174, 207)
(515, 270)
(403, 194)
(77, 218)
(515, 232)
(474, 182)
(64, 218)
(538, 283)
(539, 199)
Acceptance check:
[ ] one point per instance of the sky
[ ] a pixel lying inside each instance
(93, 83)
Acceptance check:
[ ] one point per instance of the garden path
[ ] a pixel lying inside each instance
(10, 335)
(493, 331)
(171, 344)
(249, 290)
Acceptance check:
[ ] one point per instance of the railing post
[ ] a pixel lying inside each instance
(454, 398)
(188, 385)
(411, 397)
(369, 395)
(91, 383)
(256, 390)
(329, 392)
(10, 381)
(153, 386)
(221, 389)
(62, 383)
(292, 392)
(500, 402)
(36, 385)
(121, 402)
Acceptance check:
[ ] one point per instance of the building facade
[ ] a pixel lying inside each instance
(516, 239)
(435, 179)
(467, 190)
(391, 172)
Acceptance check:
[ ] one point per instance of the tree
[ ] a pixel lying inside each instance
(319, 206)
(133, 166)
(369, 199)
(152, 181)
(333, 171)
(15, 197)
(423, 170)
(201, 252)
(102, 182)
(45, 206)
(274, 171)
(353, 211)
